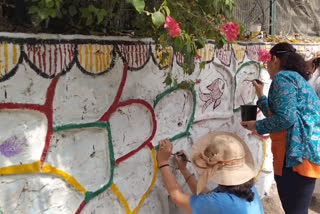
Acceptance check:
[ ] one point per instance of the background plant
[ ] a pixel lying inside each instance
(199, 20)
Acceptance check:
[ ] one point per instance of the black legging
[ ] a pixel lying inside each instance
(295, 191)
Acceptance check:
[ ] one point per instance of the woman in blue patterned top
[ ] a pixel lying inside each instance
(292, 112)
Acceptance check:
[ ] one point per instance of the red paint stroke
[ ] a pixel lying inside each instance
(149, 144)
(60, 53)
(82, 205)
(105, 117)
(49, 113)
(55, 59)
(50, 60)
(46, 109)
(154, 123)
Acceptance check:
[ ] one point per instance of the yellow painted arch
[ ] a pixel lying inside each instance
(124, 201)
(47, 169)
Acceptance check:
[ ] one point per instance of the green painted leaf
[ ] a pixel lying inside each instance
(158, 19)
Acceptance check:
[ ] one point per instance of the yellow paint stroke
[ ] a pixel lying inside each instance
(108, 55)
(96, 57)
(86, 56)
(239, 51)
(104, 57)
(206, 53)
(15, 54)
(21, 169)
(159, 57)
(80, 53)
(68, 178)
(91, 57)
(264, 158)
(124, 201)
(6, 62)
(101, 58)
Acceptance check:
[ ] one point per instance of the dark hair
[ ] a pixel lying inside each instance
(289, 59)
(242, 190)
(316, 62)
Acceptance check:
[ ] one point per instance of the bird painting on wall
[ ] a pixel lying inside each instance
(216, 89)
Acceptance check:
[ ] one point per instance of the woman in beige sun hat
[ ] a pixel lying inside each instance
(220, 157)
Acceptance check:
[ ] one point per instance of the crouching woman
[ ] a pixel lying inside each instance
(222, 158)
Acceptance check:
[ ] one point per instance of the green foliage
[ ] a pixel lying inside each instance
(199, 21)
(43, 10)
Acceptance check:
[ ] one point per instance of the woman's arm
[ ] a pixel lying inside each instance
(263, 105)
(284, 106)
(262, 99)
(189, 177)
(181, 199)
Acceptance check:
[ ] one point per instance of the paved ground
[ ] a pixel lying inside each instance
(272, 204)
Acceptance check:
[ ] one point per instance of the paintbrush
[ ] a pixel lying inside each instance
(182, 156)
(257, 80)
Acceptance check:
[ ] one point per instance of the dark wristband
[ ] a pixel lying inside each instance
(164, 165)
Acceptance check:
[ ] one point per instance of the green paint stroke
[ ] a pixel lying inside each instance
(235, 79)
(191, 119)
(90, 195)
(106, 125)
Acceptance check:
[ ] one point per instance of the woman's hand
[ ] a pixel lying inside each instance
(258, 85)
(250, 125)
(164, 153)
(181, 159)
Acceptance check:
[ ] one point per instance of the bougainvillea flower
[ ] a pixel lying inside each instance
(173, 26)
(264, 55)
(231, 29)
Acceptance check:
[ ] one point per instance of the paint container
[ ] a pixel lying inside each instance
(255, 31)
(248, 112)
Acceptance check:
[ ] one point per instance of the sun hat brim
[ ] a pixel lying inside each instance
(227, 175)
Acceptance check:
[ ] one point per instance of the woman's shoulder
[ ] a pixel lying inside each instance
(287, 74)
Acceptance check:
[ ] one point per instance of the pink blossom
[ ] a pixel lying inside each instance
(173, 26)
(264, 55)
(198, 57)
(231, 29)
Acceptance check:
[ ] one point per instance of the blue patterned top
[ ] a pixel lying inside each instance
(295, 107)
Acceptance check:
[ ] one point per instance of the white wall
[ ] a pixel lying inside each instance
(77, 130)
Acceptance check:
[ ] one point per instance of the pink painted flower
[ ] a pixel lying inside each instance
(198, 81)
(231, 29)
(173, 26)
(264, 55)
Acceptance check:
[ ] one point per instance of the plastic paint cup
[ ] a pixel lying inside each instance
(248, 112)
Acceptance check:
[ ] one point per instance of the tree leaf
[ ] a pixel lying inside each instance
(139, 5)
(158, 19)
(168, 80)
(89, 20)
(100, 16)
(33, 10)
(167, 10)
(72, 10)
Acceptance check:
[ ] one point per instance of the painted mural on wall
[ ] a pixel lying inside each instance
(80, 118)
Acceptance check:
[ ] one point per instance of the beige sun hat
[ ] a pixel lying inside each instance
(223, 158)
